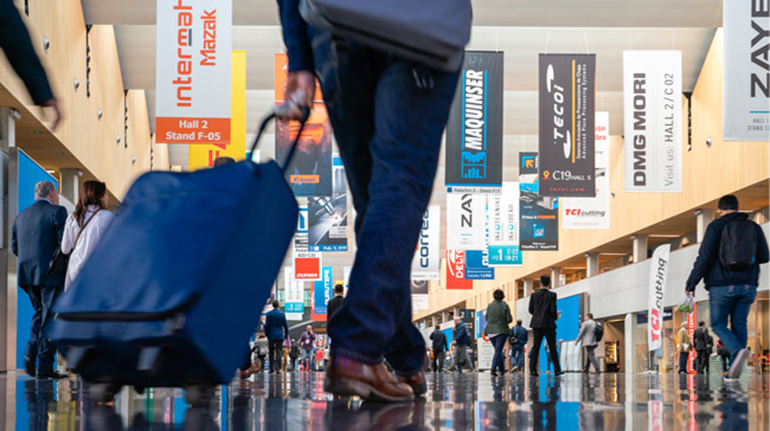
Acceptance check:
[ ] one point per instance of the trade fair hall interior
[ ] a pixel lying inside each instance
(590, 253)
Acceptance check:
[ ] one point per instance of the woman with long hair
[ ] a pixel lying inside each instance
(85, 227)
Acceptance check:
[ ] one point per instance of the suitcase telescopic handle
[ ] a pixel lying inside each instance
(281, 112)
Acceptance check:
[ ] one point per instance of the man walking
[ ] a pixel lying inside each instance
(462, 342)
(306, 345)
(517, 340)
(37, 234)
(336, 302)
(388, 115)
(277, 330)
(683, 346)
(728, 262)
(702, 348)
(542, 307)
(587, 338)
(440, 347)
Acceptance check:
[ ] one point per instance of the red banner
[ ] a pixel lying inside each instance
(455, 270)
(691, 325)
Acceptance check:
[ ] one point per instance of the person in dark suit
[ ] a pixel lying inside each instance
(542, 307)
(703, 348)
(17, 46)
(37, 234)
(336, 302)
(277, 330)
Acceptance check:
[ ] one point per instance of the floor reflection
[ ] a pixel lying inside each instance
(454, 402)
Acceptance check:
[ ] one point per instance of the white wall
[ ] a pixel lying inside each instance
(625, 290)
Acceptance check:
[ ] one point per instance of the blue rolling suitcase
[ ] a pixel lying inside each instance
(172, 293)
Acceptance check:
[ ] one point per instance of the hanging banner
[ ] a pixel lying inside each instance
(746, 77)
(294, 305)
(307, 265)
(503, 215)
(425, 263)
(455, 270)
(328, 216)
(419, 295)
(192, 73)
(477, 265)
(539, 214)
(322, 293)
(652, 113)
(466, 222)
(567, 96)
(346, 270)
(655, 312)
(310, 171)
(474, 137)
(593, 213)
(691, 326)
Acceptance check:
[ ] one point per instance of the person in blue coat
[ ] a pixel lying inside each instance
(277, 330)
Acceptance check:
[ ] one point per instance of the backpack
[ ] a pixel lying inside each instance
(513, 338)
(598, 332)
(738, 245)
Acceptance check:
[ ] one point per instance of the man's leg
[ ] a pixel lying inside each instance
(592, 358)
(550, 337)
(722, 305)
(744, 297)
(46, 352)
(32, 345)
(441, 360)
(537, 340)
(406, 352)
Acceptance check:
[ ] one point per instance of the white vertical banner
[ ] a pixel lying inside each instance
(194, 44)
(652, 110)
(658, 273)
(426, 260)
(593, 213)
(294, 304)
(466, 222)
(346, 270)
(746, 77)
(504, 246)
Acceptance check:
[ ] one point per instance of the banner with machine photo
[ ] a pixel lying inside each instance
(567, 96)
(307, 265)
(474, 137)
(539, 215)
(419, 295)
(328, 216)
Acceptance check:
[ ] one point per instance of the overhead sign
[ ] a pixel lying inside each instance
(328, 216)
(504, 247)
(426, 262)
(652, 111)
(567, 97)
(419, 295)
(455, 270)
(539, 214)
(658, 273)
(593, 213)
(192, 73)
(322, 293)
(746, 77)
(294, 305)
(307, 265)
(477, 265)
(474, 139)
(466, 222)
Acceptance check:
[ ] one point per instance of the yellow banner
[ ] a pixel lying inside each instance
(203, 155)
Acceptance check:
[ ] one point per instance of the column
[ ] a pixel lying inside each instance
(555, 275)
(640, 247)
(529, 285)
(444, 316)
(629, 367)
(70, 184)
(704, 217)
(8, 204)
(592, 264)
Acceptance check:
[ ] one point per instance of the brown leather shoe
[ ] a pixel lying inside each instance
(415, 381)
(346, 377)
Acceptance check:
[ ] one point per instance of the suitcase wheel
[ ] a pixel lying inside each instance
(103, 392)
(199, 395)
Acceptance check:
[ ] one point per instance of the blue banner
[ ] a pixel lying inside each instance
(322, 291)
(476, 266)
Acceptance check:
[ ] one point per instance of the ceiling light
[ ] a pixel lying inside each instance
(664, 235)
(59, 153)
(37, 132)
(613, 254)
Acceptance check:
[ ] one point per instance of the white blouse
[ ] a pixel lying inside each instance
(87, 242)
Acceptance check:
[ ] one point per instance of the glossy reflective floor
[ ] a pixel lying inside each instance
(454, 402)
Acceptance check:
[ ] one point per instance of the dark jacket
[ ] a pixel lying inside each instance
(15, 42)
(700, 339)
(440, 343)
(461, 335)
(37, 233)
(520, 334)
(276, 327)
(296, 36)
(708, 267)
(498, 318)
(334, 305)
(542, 307)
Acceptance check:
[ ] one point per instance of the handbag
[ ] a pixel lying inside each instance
(432, 33)
(60, 260)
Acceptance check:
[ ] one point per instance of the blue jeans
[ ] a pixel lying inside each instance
(498, 360)
(733, 302)
(517, 357)
(389, 134)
